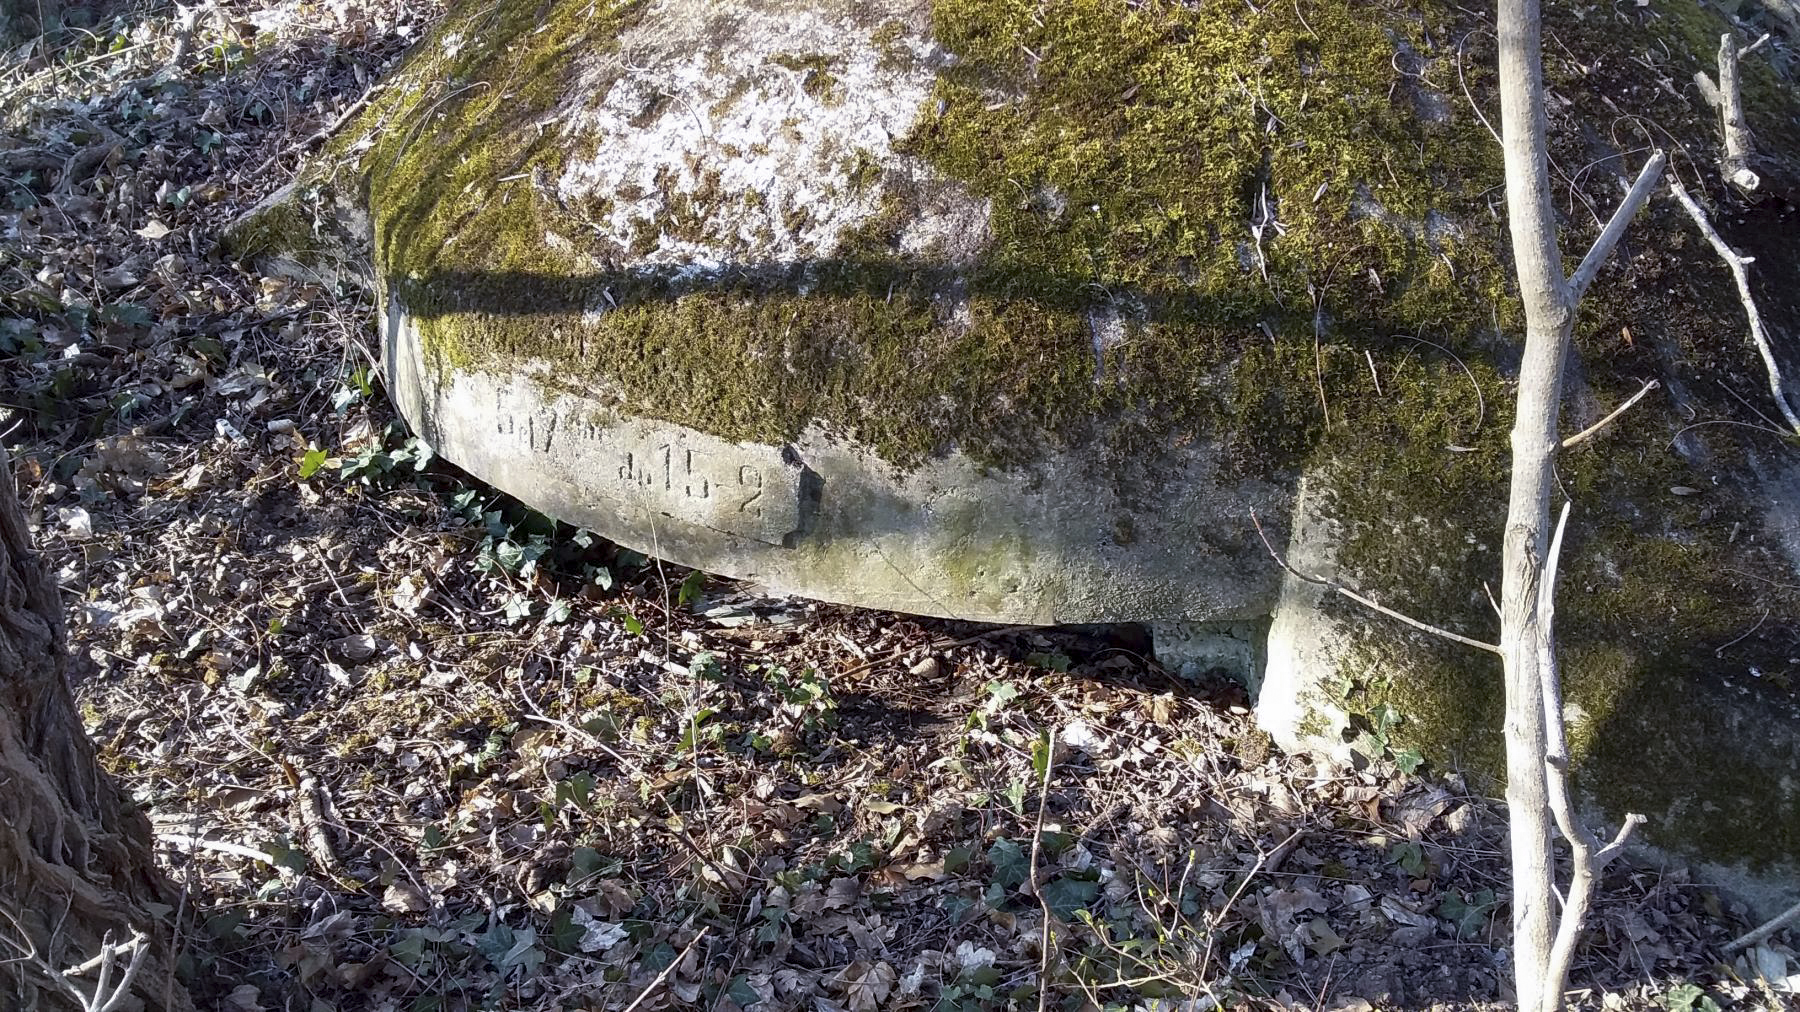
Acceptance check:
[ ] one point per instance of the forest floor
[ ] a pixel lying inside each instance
(407, 745)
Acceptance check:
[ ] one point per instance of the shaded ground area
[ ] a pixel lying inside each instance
(409, 746)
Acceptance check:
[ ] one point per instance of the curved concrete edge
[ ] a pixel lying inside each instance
(1309, 650)
(1071, 539)
(1766, 892)
(1306, 647)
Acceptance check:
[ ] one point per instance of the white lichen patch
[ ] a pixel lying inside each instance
(723, 137)
(1106, 329)
(1110, 325)
(948, 225)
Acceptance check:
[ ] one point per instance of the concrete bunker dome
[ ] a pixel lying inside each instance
(786, 256)
(971, 310)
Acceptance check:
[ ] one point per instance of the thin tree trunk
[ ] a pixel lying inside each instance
(74, 854)
(1549, 320)
(1536, 750)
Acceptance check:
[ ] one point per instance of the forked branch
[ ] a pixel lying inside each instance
(106, 994)
(1585, 434)
(1739, 273)
(1588, 857)
(1634, 201)
(1728, 98)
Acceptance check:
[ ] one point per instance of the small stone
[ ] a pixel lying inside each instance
(355, 649)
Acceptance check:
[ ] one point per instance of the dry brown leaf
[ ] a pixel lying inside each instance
(402, 897)
(866, 986)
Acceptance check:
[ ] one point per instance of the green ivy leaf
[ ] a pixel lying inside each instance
(1689, 998)
(409, 950)
(705, 665)
(1066, 895)
(1369, 746)
(1011, 865)
(957, 860)
(287, 856)
(658, 958)
(127, 314)
(310, 464)
(1385, 718)
(1469, 912)
(1409, 856)
(690, 588)
(224, 926)
(1015, 796)
(741, 992)
(565, 935)
(586, 862)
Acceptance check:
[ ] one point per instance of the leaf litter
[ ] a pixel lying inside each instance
(408, 745)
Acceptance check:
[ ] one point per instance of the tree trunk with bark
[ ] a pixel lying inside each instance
(1536, 750)
(1549, 320)
(75, 866)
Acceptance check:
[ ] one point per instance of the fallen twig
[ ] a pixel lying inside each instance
(1738, 265)
(1218, 917)
(1368, 602)
(937, 645)
(1769, 927)
(221, 846)
(1037, 841)
(325, 132)
(1319, 352)
(1580, 437)
(666, 971)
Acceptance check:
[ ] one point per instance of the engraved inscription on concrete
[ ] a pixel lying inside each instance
(568, 456)
(670, 471)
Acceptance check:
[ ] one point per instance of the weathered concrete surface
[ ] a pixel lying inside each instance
(965, 309)
(820, 517)
(1724, 761)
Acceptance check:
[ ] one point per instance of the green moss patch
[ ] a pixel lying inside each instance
(1130, 164)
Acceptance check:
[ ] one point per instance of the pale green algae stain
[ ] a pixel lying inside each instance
(1123, 149)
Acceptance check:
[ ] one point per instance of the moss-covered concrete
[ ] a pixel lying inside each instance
(1292, 219)
(1196, 123)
